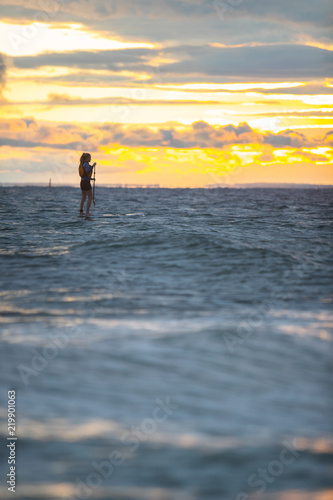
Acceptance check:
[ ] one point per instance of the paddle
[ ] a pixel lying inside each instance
(94, 184)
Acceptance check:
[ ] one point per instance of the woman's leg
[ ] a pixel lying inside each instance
(83, 199)
(89, 201)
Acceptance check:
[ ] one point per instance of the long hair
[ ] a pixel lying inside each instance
(85, 157)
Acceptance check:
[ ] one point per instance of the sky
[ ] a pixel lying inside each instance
(186, 93)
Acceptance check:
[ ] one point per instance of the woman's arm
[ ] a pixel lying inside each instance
(88, 168)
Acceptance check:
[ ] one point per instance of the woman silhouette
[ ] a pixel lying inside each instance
(85, 171)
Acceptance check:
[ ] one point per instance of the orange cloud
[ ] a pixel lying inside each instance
(202, 135)
(167, 154)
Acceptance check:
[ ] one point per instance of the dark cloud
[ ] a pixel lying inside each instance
(317, 13)
(295, 139)
(195, 21)
(202, 30)
(268, 62)
(297, 11)
(287, 138)
(273, 62)
(199, 135)
(2, 73)
(86, 77)
(20, 143)
(115, 60)
(328, 139)
(235, 29)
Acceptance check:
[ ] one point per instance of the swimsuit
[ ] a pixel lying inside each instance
(85, 181)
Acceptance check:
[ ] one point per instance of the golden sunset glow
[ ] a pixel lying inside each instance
(182, 121)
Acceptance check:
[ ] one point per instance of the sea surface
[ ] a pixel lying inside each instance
(181, 355)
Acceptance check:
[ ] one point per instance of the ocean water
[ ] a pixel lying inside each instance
(185, 354)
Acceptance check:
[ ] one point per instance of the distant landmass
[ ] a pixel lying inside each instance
(270, 185)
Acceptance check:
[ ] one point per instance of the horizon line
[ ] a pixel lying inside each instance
(252, 185)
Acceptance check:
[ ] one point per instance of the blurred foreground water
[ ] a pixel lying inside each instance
(182, 355)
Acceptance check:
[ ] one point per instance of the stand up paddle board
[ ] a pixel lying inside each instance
(106, 216)
(83, 216)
